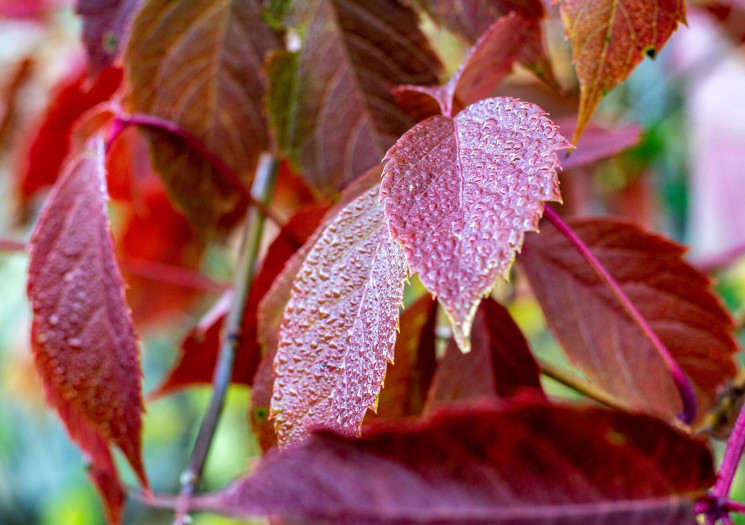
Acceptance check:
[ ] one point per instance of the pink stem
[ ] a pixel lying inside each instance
(165, 273)
(735, 446)
(10, 245)
(684, 387)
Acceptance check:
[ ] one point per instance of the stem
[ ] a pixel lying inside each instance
(578, 384)
(151, 121)
(684, 387)
(735, 446)
(230, 338)
(11, 245)
(165, 273)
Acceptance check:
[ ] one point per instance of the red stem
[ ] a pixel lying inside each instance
(684, 387)
(10, 245)
(735, 446)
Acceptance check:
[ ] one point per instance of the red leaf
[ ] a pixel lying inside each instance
(599, 336)
(105, 25)
(51, 144)
(199, 65)
(330, 108)
(84, 347)
(597, 143)
(201, 347)
(488, 62)
(499, 364)
(339, 326)
(459, 193)
(408, 378)
(515, 464)
(609, 39)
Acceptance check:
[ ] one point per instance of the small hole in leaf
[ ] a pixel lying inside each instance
(650, 51)
(261, 414)
(110, 42)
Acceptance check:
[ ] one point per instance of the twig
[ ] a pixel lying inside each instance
(578, 384)
(732, 455)
(681, 381)
(11, 245)
(230, 339)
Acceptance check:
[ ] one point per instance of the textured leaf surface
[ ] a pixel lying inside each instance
(84, 347)
(600, 337)
(198, 64)
(200, 349)
(330, 103)
(525, 464)
(105, 24)
(488, 62)
(459, 194)
(339, 325)
(499, 364)
(609, 39)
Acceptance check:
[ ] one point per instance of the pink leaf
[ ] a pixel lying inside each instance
(105, 27)
(459, 194)
(597, 143)
(84, 346)
(339, 325)
(509, 464)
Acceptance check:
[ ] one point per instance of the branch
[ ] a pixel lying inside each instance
(684, 387)
(230, 338)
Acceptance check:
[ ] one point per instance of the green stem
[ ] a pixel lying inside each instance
(579, 385)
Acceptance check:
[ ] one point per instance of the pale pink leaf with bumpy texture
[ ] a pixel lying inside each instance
(339, 325)
(84, 346)
(599, 336)
(460, 193)
(499, 464)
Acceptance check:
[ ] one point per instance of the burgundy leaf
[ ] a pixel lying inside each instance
(460, 193)
(488, 62)
(84, 346)
(339, 325)
(515, 464)
(105, 25)
(499, 364)
(600, 337)
(597, 143)
(330, 105)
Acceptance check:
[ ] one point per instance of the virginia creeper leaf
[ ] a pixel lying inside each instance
(198, 64)
(339, 326)
(488, 62)
(330, 105)
(499, 364)
(599, 336)
(470, 19)
(514, 464)
(459, 193)
(609, 39)
(200, 349)
(597, 143)
(84, 346)
(105, 25)
(51, 143)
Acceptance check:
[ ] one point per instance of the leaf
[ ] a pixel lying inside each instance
(459, 193)
(102, 471)
(408, 378)
(200, 349)
(84, 347)
(105, 25)
(51, 143)
(609, 39)
(499, 364)
(339, 326)
(470, 19)
(513, 464)
(330, 106)
(198, 64)
(597, 143)
(600, 337)
(488, 62)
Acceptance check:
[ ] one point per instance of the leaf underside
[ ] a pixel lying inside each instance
(601, 338)
(460, 193)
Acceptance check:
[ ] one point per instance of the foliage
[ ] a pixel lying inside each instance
(372, 402)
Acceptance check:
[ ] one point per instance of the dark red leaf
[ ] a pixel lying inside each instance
(515, 464)
(609, 39)
(330, 105)
(199, 64)
(460, 193)
(499, 364)
(84, 347)
(488, 62)
(105, 26)
(600, 337)
(201, 347)
(51, 143)
(339, 326)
